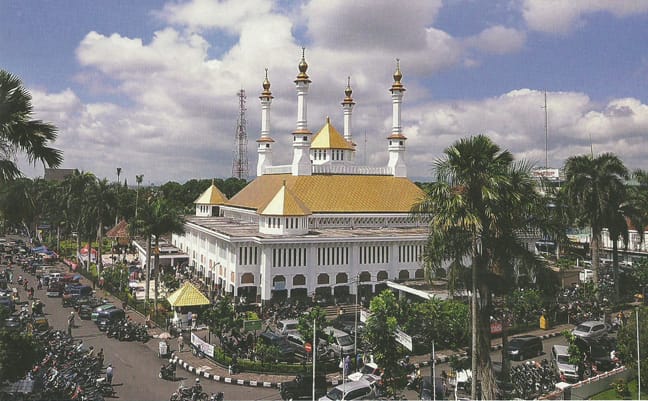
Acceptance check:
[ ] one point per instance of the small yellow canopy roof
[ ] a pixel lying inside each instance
(187, 295)
(211, 196)
(329, 138)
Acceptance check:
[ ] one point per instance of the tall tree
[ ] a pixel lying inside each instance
(102, 201)
(19, 133)
(74, 191)
(480, 201)
(155, 219)
(591, 186)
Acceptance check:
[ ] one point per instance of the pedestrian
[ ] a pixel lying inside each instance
(70, 324)
(347, 365)
(189, 319)
(359, 363)
(100, 358)
(109, 374)
(180, 343)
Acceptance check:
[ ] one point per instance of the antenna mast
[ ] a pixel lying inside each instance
(240, 160)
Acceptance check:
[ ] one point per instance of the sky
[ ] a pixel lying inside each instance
(151, 86)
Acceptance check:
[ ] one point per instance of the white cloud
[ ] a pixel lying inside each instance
(497, 40)
(558, 16)
(228, 15)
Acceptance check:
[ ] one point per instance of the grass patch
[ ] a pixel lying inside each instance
(612, 395)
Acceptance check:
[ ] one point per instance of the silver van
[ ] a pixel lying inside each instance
(340, 342)
(560, 360)
(287, 326)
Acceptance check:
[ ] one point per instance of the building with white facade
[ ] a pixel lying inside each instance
(320, 225)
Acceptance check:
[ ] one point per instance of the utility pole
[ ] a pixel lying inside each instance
(240, 160)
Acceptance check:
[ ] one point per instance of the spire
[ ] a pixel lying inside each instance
(347, 108)
(303, 66)
(397, 140)
(264, 143)
(301, 164)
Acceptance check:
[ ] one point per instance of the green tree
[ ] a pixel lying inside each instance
(157, 218)
(627, 341)
(18, 354)
(379, 335)
(477, 207)
(591, 184)
(19, 133)
(305, 325)
(74, 190)
(221, 317)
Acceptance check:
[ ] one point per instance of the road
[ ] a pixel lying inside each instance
(136, 365)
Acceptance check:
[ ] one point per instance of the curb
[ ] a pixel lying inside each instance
(222, 379)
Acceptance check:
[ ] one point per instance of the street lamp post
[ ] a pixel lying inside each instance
(638, 359)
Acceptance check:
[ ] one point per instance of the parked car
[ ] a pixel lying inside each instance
(286, 350)
(12, 323)
(106, 317)
(369, 368)
(85, 312)
(560, 359)
(591, 329)
(348, 322)
(358, 390)
(523, 347)
(302, 387)
(287, 326)
(99, 309)
(340, 342)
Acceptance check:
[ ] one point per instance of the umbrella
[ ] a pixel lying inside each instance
(165, 336)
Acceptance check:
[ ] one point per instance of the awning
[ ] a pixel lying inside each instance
(188, 295)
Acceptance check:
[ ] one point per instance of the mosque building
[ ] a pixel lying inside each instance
(320, 225)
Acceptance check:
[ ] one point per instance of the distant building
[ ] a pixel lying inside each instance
(58, 174)
(320, 225)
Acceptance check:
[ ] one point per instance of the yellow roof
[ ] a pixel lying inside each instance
(211, 196)
(285, 203)
(334, 193)
(187, 295)
(329, 138)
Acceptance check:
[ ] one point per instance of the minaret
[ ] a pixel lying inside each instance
(397, 140)
(264, 144)
(347, 107)
(301, 164)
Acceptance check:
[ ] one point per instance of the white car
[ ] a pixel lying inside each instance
(368, 369)
(591, 329)
(358, 390)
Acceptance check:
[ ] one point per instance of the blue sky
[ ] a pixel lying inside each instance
(150, 86)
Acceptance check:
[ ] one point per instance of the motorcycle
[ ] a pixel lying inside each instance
(217, 396)
(168, 372)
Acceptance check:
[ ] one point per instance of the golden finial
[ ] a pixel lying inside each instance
(348, 90)
(303, 66)
(398, 75)
(266, 94)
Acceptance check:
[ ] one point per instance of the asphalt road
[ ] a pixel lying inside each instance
(136, 365)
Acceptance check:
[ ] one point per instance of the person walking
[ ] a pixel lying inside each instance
(70, 324)
(180, 343)
(109, 374)
(189, 319)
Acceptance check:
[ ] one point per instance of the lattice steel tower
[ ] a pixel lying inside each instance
(240, 160)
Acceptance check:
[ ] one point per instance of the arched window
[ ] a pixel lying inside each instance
(365, 276)
(299, 279)
(323, 278)
(418, 273)
(382, 276)
(247, 278)
(403, 275)
(341, 278)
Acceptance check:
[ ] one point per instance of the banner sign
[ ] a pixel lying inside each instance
(202, 345)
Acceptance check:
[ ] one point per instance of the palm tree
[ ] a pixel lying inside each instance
(19, 133)
(478, 202)
(74, 192)
(157, 218)
(591, 187)
(102, 201)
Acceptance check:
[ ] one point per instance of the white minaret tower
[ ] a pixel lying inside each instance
(264, 144)
(347, 108)
(397, 140)
(301, 164)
